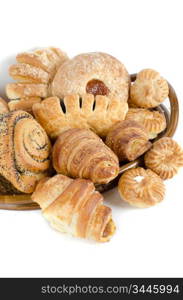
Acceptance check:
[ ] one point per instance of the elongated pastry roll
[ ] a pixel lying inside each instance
(24, 152)
(74, 207)
(81, 153)
(24, 104)
(128, 139)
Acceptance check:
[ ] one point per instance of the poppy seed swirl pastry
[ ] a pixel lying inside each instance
(141, 188)
(81, 153)
(93, 73)
(153, 121)
(128, 139)
(74, 207)
(96, 113)
(24, 153)
(149, 89)
(165, 158)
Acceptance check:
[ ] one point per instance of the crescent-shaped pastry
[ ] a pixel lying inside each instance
(23, 104)
(81, 153)
(128, 139)
(153, 121)
(141, 188)
(74, 207)
(3, 106)
(96, 113)
(149, 89)
(94, 73)
(165, 158)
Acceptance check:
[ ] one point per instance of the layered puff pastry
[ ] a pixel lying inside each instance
(141, 188)
(96, 113)
(93, 73)
(128, 139)
(81, 153)
(74, 207)
(149, 89)
(165, 158)
(3, 106)
(153, 121)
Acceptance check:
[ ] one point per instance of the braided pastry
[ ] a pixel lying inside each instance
(81, 153)
(24, 152)
(74, 207)
(96, 113)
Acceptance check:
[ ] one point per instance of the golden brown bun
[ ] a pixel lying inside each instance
(141, 188)
(81, 153)
(3, 106)
(74, 207)
(165, 158)
(24, 152)
(96, 113)
(128, 139)
(94, 73)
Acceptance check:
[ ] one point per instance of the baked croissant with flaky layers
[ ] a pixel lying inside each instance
(96, 113)
(81, 153)
(165, 158)
(74, 207)
(128, 139)
(141, 188)
(149, 89)
(24, 152)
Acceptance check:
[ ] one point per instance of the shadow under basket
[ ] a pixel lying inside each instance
(24, 202)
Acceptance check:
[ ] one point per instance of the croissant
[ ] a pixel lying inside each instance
(81, 153)
(24, 152)
(3, 106)
(128, 139)
(97, 113)
(74, 207)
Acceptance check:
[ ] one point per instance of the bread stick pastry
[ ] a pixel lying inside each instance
(153, 121)
(24, 104)
(74, 207)
(141, 188)
(81, 153)
(149, 89)
(96, 113)
(24, 152)
(128, 139)
(165, 158)
(93, 73)
(3, 106)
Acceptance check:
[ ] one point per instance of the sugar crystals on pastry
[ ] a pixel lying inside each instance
(128, 139)
(153, 121)
(165, 157)
(141, 188)
(149, 89)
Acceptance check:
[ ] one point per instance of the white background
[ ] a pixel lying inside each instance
(148, 242)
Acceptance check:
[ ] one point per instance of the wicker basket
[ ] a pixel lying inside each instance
(24, 202)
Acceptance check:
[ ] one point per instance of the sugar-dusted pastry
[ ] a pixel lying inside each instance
(16, 91)
(153, 121)
(24, 152)
(74, 207)
(94, 73)
(149, 89)
(128, 139)
(141, 188)
(81, 153)
(24, 104)
(165, 157)
(96, 113)
(3, 106)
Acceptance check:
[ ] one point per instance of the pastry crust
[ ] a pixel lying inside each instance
(165, 158)
(81, 153)
(96, 113)
(149, 89)
(153, 121)
(141, 188)
(16, 91)
(24, 153)
(74, 207)
(24, 104)
(95, 73)
(3, 106)
(128, 139)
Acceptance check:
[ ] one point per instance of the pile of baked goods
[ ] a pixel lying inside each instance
(68, 127)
